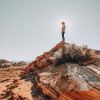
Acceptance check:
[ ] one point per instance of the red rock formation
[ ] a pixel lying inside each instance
(43, 60)
(80, 95)
(60, 84)
(58, 46)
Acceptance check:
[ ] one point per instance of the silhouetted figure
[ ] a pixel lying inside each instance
(63, 30)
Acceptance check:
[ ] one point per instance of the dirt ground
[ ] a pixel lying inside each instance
(7, 76)
(11, 72)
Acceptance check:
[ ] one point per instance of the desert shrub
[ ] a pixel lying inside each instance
(73, 53)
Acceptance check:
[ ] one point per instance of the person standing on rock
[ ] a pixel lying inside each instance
(63, 30)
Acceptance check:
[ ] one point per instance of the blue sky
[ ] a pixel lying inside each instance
(30, 27)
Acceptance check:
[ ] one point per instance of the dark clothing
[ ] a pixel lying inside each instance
(63, 38)
(63, 31)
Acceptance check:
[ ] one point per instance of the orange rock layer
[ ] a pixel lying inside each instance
(79, 95)
(43, 60)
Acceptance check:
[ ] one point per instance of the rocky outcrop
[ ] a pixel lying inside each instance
(5, 63)
(68, 82)
(43, 60)
(62, 53)
(65, 73)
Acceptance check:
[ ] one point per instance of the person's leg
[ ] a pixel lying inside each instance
(63, 37)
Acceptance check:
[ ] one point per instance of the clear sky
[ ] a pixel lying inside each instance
(30, 27)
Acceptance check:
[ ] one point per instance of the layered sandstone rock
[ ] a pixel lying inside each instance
(67, 72)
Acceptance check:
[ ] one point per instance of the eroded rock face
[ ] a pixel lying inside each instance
(62, 53)
(67, 82)
(56, 75)
(45, 59)
(64, 73)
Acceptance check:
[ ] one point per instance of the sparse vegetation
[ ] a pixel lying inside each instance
(73, 53)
